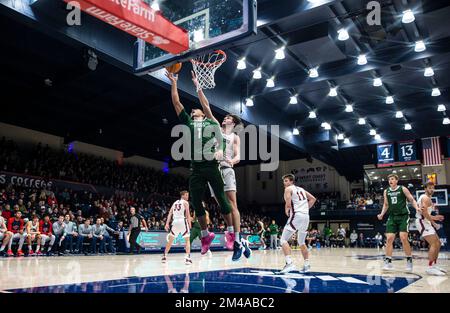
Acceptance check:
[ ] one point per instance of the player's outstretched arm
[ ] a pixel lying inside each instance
(169, 219)
(385, 207)
(174, 92)
(203, 100)
(288, 200)
(311, 199)
(188, 214)
(411, 199)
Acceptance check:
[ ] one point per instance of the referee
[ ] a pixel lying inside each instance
(134, 229)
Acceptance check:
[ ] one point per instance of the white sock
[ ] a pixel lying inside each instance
(306, 261)
(230, 229)
(288, 259)
(205, 233)
(237, 237)
(29, 248)
(38, 248)
(188, 256)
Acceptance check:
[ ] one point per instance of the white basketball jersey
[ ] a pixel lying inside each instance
(229, 152)
(179, 210)
(299, 200)
(34, 227)
(430, 209)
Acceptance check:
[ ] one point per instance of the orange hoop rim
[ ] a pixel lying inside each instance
(217, 63)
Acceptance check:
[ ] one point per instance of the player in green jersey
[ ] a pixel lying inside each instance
(395, 203)
(207, 144)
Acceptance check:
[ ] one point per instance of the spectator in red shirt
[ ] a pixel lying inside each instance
(16, 227)
(7, 212)
(52, 200)
(46, 230)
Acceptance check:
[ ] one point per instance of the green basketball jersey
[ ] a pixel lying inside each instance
(202, 138)
(196, 224)
(397, 201)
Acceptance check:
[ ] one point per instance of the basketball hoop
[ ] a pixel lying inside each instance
(205, 67)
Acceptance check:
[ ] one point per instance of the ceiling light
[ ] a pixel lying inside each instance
(408, 17)
(420, 46)
(312, 114)
(441, 108)
(343, 34)
(249, 102)
(326, 125)
(257, 74)
(333, 92)
(295, 131)
(446, 121)
(270, 82)
(347, 141)
(313, 73)
(241, 64)
(435, 92)
(348, 108)
(361, 121)
(377, 82)
(408, 126)
(293, 100)
(340, 137)
(362, 60)
(279, 53)
(377, 137)
(372, 132)
(389, 99)
(398, 114)
(428, 72)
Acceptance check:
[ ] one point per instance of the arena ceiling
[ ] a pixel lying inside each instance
(130, 110)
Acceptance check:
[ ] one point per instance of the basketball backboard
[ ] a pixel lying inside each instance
(211, 24)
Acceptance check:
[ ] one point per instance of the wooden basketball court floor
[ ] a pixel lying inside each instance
(332, 270)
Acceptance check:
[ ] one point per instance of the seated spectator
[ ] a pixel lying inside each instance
(84, 235)
(97, 236)
(70, 232)
(353, 239)
(59, 230)
(361, 242)
(16, 226)
(46, 230)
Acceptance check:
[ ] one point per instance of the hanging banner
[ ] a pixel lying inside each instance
(407, 151)
(385, 154)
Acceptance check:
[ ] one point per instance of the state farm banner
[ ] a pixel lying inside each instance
(139, 20)
(317, 179)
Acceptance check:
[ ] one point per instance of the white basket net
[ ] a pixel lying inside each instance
(205, 67)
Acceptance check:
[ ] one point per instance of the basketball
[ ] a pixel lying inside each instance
(174, 68)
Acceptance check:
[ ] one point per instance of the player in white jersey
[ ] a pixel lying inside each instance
(232, 155)
(298, 202)
(179, 220)
(5, 235)
(426, 224)
(33, 235)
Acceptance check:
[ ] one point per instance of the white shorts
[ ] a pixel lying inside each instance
(297, 222)
(424, 227)
(179, 226)
(229, 180)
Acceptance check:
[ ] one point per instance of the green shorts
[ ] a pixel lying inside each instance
(397, 223)
(195, 233)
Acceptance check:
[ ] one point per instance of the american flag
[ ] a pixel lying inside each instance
(431, 151)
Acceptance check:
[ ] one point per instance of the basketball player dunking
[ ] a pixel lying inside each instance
(298, 202)
(395, 201)
(426, 224)
(204, 127)
(232, 157)
(179, 220)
